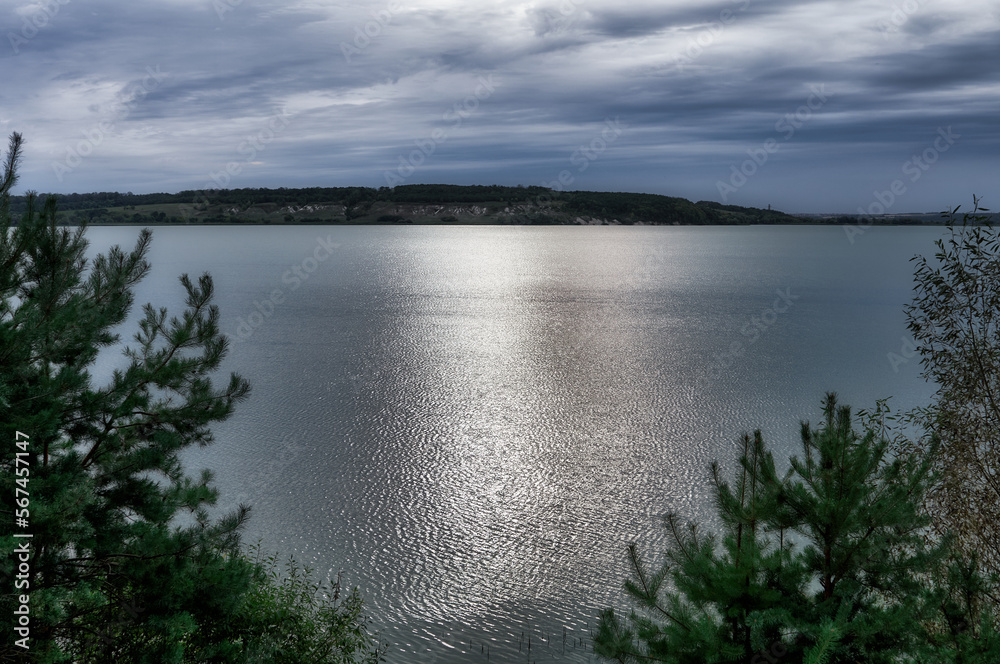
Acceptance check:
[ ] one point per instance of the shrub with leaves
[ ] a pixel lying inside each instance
(955, 322)
(289, 618)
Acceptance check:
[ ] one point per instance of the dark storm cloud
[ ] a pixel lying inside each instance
(162, 95)
(941, 66)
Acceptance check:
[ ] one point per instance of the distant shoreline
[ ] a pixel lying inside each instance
(880, 224)
(435, 204)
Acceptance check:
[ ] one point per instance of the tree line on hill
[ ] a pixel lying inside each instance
(534, 205)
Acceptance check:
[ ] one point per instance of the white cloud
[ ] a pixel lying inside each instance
(564, 65)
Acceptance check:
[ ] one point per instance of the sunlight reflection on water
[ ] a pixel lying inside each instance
(472, 422)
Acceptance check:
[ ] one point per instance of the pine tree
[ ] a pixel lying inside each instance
(124, 563)
(824, 564)
(112, 574)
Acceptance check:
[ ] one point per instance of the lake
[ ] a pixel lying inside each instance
(471, 423)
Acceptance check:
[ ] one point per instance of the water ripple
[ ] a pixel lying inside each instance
(471, 423)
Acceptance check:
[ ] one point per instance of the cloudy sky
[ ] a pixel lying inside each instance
(809, 106)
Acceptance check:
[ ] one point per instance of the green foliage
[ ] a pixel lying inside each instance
(821, 651)
(824, 564)
(533, 205)
(635, 207)
(450, 193)
(288, 618)
(737, 214)
(955, 322)
(124, 563)
(964, 630)
(105, 479)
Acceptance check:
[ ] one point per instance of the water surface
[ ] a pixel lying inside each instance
(472, 422)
